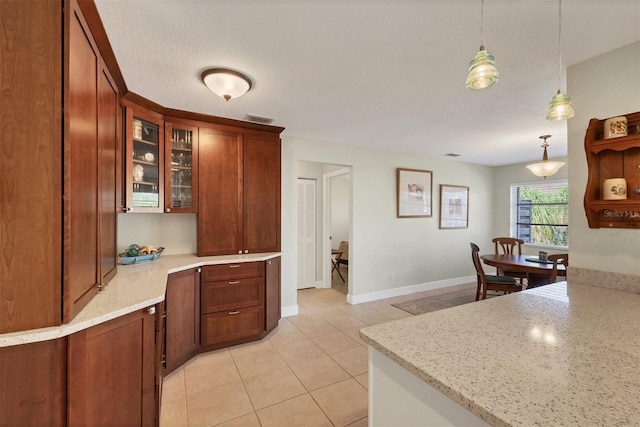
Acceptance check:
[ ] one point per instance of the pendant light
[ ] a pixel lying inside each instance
(560, 106)
(545, 168)
(226, 83)
(482, 69)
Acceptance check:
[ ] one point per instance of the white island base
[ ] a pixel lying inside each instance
(399, 398)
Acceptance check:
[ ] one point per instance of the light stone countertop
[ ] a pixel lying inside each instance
(134, 287)
(561, 354)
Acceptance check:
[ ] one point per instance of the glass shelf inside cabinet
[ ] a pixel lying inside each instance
(146, 168)
(181, 167)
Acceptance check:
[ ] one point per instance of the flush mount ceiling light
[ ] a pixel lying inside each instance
(226, 83)
(545, 168)
(482, 69)
(560, 106)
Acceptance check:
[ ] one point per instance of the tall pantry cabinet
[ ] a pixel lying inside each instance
(239, 189)
(58, 169)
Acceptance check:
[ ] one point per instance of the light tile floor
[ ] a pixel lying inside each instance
(310, 371)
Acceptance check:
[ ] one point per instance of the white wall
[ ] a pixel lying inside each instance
(412, 248)
(602, 87)
(340, 204)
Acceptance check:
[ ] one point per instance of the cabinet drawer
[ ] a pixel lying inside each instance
(215, 273)
(230, 294)
(231, 325)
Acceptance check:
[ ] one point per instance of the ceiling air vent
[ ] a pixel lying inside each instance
(259, 119)
(452, 155)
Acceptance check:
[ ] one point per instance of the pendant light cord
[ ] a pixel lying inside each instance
(481, 22)
(559, 43)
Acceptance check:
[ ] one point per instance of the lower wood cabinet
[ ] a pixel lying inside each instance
(231, 327)
(33, 384)
(272, 294)
(182, 318)
(232, 304)
(111, 373)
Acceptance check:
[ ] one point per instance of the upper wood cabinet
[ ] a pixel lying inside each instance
(144, 154)
(181, 167)
(607, 159)
(239, 190)
(58, 170)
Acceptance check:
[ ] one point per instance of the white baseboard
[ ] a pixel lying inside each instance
(405, 290)
(289, 310)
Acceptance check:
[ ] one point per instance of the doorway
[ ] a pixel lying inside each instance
(337, 228)
(332, 221)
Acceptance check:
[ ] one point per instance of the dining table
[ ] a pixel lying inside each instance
(538, 271)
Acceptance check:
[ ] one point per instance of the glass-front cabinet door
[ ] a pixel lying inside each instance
(181, 173)
(145, 157)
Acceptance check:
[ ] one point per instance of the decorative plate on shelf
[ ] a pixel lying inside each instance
(123, 258)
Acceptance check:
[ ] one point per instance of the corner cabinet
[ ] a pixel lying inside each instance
(144, 166)
(239, 181)
(613, 158)
(182, 318)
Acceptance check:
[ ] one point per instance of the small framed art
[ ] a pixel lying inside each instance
(414, 193)
(454, 206)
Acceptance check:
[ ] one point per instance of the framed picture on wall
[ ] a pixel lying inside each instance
(414, 193)
(454, 206)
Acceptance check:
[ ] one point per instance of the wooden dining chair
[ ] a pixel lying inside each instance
(344, 256)
(508, 246)
(506, 284)
(558, 259)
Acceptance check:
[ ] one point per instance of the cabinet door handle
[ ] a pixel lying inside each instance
(234, 282)
(234, 266)
(234, 312)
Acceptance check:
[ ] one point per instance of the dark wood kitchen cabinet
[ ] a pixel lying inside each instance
(181, 167)
(182, 318)
(111, 378)
(144, 160)
(58, 168)
(272, 294)
(239, 187)
(33, 379)
(232, 304)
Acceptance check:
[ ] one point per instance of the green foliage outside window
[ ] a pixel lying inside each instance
(543, 213)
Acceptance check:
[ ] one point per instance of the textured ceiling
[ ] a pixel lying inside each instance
(382, 74)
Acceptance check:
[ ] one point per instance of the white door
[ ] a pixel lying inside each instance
(306, 233)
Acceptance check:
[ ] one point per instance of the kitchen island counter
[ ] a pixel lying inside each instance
(134, 287)
(561, 354)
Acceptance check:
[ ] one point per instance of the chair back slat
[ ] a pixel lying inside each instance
(507, 245)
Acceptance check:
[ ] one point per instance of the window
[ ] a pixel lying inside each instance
(540, 212)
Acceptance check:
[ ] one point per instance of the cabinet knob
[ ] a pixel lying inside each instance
(246, 251)
(151, 310)
(167, 210)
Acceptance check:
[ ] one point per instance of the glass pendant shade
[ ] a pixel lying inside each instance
(545, 168)
(560, 107)
(482, 71)
(226, 83)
